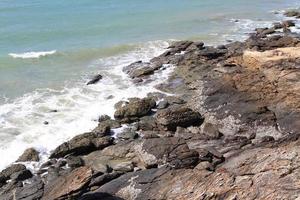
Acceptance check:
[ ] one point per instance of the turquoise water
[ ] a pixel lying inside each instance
(49, 49)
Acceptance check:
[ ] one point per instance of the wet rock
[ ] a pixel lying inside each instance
(103, 128)
(140, 69)
(128, 134)
(82, 144)
(9, 171)
(292, 13)
(68, 186)
(288, 23)
(29, 155)
(171, 118)
(134, 109)
(95, 79)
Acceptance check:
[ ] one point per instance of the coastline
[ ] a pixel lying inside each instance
(222, 111)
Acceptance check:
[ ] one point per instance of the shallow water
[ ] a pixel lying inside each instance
(49, 49)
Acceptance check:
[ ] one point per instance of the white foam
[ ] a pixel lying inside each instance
(32, 54)
(79, 106)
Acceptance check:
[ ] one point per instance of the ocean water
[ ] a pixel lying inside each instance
(49, 49)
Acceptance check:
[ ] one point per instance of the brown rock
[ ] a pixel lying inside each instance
(29, 155)
(68, 186)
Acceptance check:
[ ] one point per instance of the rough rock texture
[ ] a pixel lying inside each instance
(171, 118)
(82, 144)
(135, 108)
(29, 155)
(68, 186)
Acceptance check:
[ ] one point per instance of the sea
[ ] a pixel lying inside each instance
(50, 49)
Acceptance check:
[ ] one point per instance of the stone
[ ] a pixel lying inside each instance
(162, 104)
(134, 109)
(172, 151)
(103, 118)
(288, 23)
(211, 131)
(82, 144)
(95, 79)
(106, 177)
(74, 161)
(21, 175)
(123, 167)
(29, 155)
(292, 13)
(171, 118)
(9, 171)
(70, 185)
(32, 191)
(128, 134)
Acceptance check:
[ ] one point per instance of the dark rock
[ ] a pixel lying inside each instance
(288, 23)
(45, 122)
(171, 118)
(82, 144)
(100, 180)
(74, 161)
(9, 171)
(128, 134)
(103, 118)
(32, 191)
(277, 25)
(60, 163)
(147, 123)
(171, 151)
(29, 155)
(95, 79)
(292, 13)
(140, 69)
(134, 109)
(21, 175)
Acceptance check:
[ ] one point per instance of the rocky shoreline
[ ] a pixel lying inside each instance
(229, 131)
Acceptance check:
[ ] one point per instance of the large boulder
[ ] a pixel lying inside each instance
(133, 109)
(174, 117)
(29, 154)
(82, 144)
(140, 69)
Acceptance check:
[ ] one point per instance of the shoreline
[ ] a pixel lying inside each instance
(228, 105)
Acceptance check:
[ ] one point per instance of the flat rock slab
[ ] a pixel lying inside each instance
(68, 185)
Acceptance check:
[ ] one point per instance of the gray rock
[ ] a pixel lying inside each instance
(12, 169)
(173, 117)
